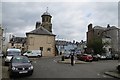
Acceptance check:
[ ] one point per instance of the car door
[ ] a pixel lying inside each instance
(29, 53)
(34, 53)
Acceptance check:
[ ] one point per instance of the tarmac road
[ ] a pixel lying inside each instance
(49, 68)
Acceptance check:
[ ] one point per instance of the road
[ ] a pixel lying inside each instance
(49, 68)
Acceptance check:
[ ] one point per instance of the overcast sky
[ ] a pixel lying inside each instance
(69, 19)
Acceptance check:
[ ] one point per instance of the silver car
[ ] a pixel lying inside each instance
(10, 53)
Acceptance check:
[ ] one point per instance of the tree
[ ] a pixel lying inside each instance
(96, 45)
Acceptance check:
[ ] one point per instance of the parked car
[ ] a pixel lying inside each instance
(85, 57)
(20, 65)
(67, 55)
(103, 56)
(108, 56)
(115, 56)
(33, 53)
(118, 67)
(95, 57)
(10, 53)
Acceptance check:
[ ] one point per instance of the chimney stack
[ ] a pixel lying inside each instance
(89, 26)
(38, 24)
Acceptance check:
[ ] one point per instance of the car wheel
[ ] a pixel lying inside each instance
(5, 64)
(10, 74)
(90, 60)
(30, 73)
(26, 55)
(85, 60)
(118, 68)
(39, 56)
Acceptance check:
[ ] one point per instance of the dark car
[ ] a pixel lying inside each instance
(85, 57)
(20, 65)
(95, 57)
(118, 67)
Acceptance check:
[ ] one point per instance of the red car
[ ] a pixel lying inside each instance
(86, 57)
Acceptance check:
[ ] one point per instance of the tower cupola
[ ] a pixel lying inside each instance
(46, 20)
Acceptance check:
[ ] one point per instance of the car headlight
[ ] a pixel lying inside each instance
(13, 68)
(31, 67)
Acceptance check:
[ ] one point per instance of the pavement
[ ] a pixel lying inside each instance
(114, 74)
(68, 61)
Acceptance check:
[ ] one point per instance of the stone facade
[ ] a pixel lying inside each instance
(46, 43)
(98, 31)
(42, 37)
(18, 42)
(46, 21)
(113, 33)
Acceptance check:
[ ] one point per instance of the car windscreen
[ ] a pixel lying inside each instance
(13, 53)
(20, 60)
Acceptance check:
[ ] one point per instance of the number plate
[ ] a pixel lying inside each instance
(23, 71)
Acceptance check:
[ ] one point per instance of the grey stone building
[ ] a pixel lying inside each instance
(113, 33)
(109, 31)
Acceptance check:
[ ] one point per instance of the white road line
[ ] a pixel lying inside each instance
(54, 60)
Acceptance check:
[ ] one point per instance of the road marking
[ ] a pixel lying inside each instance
(54, 60)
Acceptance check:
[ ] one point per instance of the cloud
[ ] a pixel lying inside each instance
(60, 0)
(69, 20)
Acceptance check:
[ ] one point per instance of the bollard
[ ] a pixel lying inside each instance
(63, 58)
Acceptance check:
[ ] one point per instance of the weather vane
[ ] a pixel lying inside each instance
(47, 9)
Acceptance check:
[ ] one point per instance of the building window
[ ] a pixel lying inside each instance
(41, 48)
(43, 19)
(49, 49)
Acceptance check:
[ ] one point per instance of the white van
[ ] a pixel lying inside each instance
(33, 53)
(10, 53)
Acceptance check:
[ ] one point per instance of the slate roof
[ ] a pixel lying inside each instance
(99, 27)
(18, 40)
(41, 31)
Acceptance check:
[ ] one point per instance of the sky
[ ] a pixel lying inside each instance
(69, 19)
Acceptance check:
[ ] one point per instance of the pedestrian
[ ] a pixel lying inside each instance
(72, 59)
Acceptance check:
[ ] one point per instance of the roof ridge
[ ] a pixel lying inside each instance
(40, 31)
